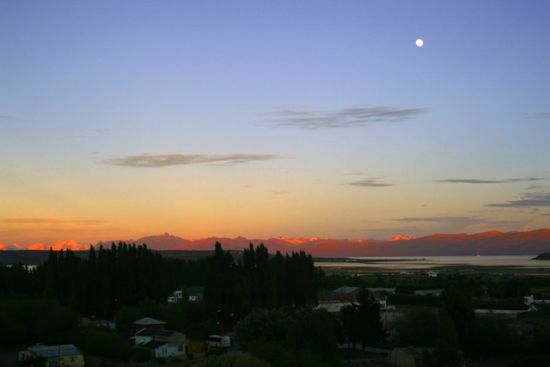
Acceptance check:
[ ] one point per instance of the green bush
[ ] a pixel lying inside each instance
(141, 354)
(104, 343)
(28, 320)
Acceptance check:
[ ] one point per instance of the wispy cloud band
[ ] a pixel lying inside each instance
(370, 182)
(18, 220)
(526, 200)
(483, 181)
(165, 160)
(347, 117)
(539, 115)
(460, 221)
(438, 219)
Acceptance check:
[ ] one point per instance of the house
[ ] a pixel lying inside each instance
(219, 341)
(163, 343)
(429, 292)
(195, 294)
(148, 323)
(176, 297)
(381, 291)
(339, 295)
(432, 273)
(333, 301)
(104, 324)
(332, 307)
(66, 355)
(347, 290)
(530, 301)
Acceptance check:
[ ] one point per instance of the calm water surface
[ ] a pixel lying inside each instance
(427, 262)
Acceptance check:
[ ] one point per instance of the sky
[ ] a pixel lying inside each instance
(120, 119)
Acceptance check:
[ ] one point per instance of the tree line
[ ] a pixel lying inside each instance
(126, 275)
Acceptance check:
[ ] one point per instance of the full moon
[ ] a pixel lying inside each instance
(419, 42)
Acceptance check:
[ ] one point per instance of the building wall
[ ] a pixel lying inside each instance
(72, 361)
(167, 351)
(64, 361)
(142, 339)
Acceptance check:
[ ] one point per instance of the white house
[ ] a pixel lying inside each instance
(332, 306)
(163, 343)
(219, 341)
(176, 297)
(432, 273)
(194, 294)
(66, 355)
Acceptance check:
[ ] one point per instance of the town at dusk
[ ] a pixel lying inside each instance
(275, 183)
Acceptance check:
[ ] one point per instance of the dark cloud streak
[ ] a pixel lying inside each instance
(539, 115)
(165, 160)
(458, 220)
(370, 182)
(526, 200)
(347, 117)
(482, 181)
(439, 219)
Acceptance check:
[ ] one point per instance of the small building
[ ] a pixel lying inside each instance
(346, 295)
(195, 294)
(66, 355)
(148, 323)
(346, 290)
(176, 297)
(104, 324)
(219, 341)
(432, 273)
(163, 343)
(332, 307)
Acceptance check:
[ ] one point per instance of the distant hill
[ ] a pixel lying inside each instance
(458, 244)
(543, 256)
(461, 244)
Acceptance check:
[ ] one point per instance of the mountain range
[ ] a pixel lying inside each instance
(460, 244)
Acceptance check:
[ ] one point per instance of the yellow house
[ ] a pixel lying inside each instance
(66, 355)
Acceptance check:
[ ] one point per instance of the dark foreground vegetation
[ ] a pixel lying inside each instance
(270, 304)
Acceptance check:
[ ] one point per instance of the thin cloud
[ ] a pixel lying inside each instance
(347, 117)
(539, 115)
(459, 220)
(49, 221)
(439, 219)
(526, 200)
(482, 181)
(165, 160)
(370, 182)
(6, 118)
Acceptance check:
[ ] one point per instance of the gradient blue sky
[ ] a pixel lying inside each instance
(88, 88)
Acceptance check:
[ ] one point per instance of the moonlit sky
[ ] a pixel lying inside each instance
(120, 119)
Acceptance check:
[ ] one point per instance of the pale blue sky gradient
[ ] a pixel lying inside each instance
(85, 82)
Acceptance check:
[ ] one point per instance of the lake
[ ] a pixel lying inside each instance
(428, 262)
